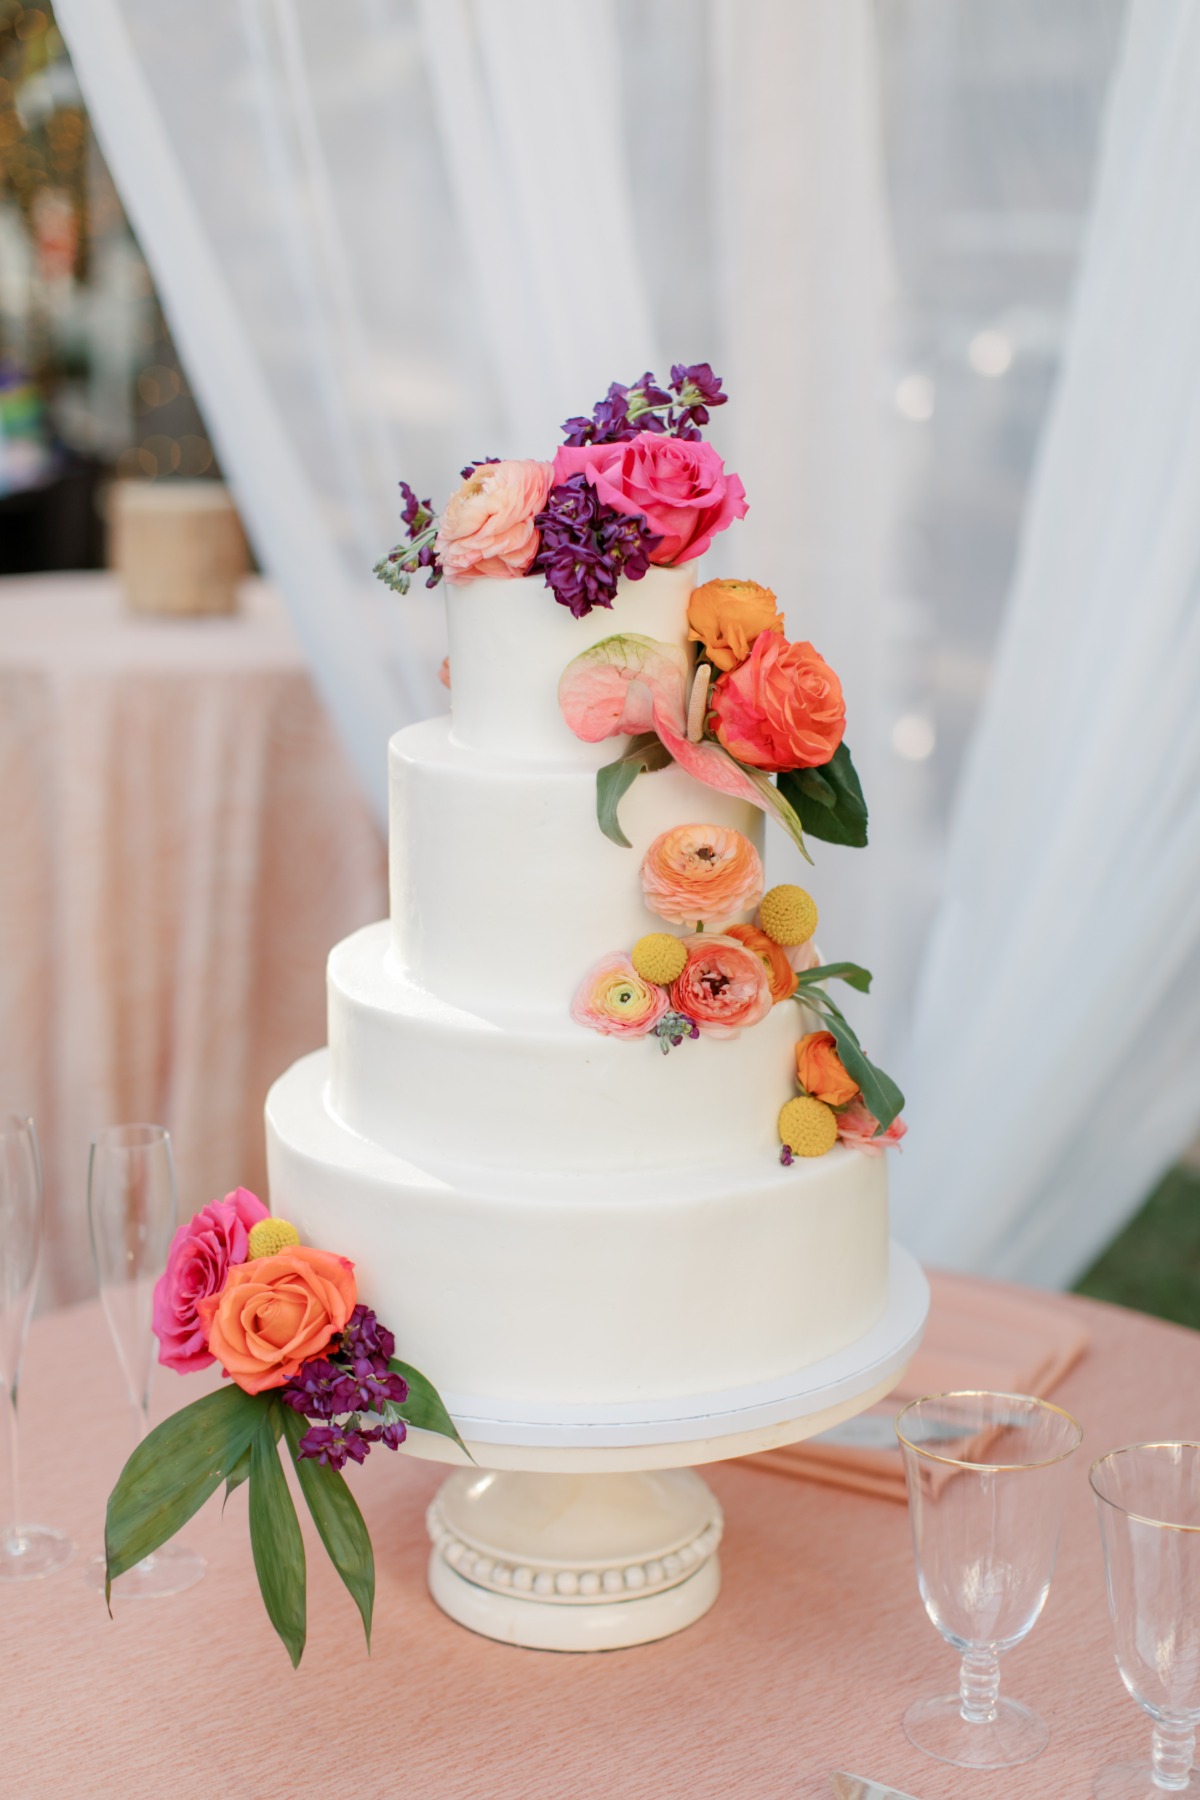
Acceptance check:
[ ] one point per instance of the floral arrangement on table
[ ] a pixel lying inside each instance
(720, 978)
(307, 1365)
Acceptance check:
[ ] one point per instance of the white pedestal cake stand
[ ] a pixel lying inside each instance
(584, 1528)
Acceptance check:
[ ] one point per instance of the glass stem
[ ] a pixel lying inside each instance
(1171, 1752)
(12, 1524)
(979, 1686)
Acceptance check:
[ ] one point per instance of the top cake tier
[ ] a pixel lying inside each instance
(510, 642)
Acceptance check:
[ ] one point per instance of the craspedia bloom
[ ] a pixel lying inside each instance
(614, 999)
(659, 957)
(270, 1235)
(808, 1127)
(788, 915)
(820, 1070)
(781, 977)
(723, 987)
(703, 874)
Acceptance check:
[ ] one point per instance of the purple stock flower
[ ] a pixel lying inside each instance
(786, 1157)
(586, 546)
(352, 1378)
(671, 1030)
(646, 406)
(416, 550)
(331, 1445)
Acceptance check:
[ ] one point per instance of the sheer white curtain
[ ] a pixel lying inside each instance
(1056, 1056)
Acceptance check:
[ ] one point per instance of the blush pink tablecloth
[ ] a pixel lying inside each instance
(181, 842)
(806, 1663)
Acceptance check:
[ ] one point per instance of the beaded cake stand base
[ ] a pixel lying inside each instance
(585, 1528)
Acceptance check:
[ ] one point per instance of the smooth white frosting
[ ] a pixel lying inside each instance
(585, 1286)
(504, 890)
(510, 642)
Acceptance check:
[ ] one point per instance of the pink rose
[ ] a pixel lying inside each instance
(723, 986)
(202, 1253)
(857, 1126)
(782, 709)
(680, 485)
(487, 526)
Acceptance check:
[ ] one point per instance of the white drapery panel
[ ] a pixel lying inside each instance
(1056, 1061)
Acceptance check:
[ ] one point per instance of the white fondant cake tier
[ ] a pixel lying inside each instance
(510, 642)
(422, 1077)
(504, 890)
(584, 1286)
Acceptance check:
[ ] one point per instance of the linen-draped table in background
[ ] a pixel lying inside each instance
(181, 842)
(806, 1663)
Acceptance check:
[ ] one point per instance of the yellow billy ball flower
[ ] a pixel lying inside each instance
(659, 957)
(788, 915)
(808, 1127)
(270, 1236)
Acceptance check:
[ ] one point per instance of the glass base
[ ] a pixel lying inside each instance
(1135, 1781)
(31, 1551)
(1014, 1735)
(170, 1570)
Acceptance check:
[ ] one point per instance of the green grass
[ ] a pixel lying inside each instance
(1154, 1264)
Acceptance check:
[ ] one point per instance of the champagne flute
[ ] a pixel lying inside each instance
(131, 1213)
(1148, 1502)
(986, 1480)
(26, 1551)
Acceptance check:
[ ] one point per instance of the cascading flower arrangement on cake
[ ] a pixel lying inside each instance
(306, 1363)
(753, 716)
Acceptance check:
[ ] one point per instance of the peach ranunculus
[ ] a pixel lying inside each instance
(781, 977)
(679, 485)
(857, 1126)
(820, 1071)
(702, 874)
(783, 709)
(723, 986)
(614, 999)
(276, 1312)
(727, 618)
(487, 526)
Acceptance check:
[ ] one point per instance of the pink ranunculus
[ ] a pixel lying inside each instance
(202, 1253)
(614, 999)
(782, 709)
(857, 1126)
(678, 484)
(704, 874)
(723, 986)
(487, 526)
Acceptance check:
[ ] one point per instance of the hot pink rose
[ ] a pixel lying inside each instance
(857, 1126)
(487, 526)
(202, 1253)
(782, 709)
(680, 485)
(723, 986)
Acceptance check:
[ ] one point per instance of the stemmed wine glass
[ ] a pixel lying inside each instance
(131, 1213)
(986, 1481)
(1148, 1501)
(26, 1551)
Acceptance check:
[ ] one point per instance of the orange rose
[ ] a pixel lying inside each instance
(781, 709)
(781, 977)
(275, 1312)
(727, 616)
(820, 1072)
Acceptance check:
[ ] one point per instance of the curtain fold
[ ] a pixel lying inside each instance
(1055, 1068)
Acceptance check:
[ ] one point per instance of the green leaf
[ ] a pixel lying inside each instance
(276, 1541)
(173, 1471)
(337, 1518)
(643, 753)
(880, 1094)
(240, 1472)
(829, 800)
(424, 1407)
(853, 974)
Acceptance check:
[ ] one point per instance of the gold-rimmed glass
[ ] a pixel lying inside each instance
(1148, 1503)
(986, 1476)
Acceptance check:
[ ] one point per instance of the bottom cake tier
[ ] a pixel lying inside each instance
(578, 1287)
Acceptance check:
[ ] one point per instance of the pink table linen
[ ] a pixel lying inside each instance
(181, 842)
(806, 1663)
